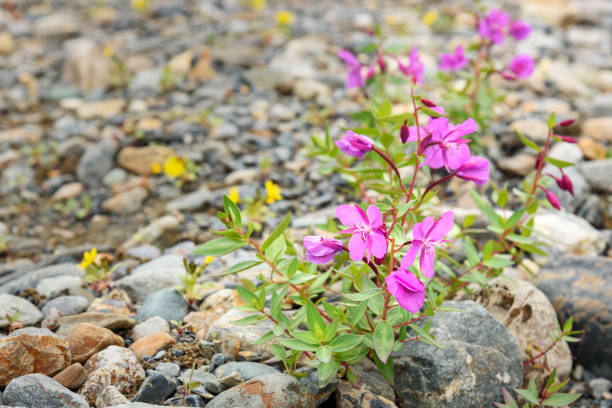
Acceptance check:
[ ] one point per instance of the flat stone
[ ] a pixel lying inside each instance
(480, 357)
(169, 369)
(581, 287)
(53, 287)
(66, 305)
(247, 369)
(140, 285)
(191, 201)
(127, 202)
(597, 173)
(166, 303)
(31, 279)
(26, 312)
(520, 164)
(140, 159)
(104, 109)
(115, 366)
(38, 390)
(568, 234)
(87, 339)
(149, 345)
(592, 149)
(152, 231)
(155, 388)
(598, 128)
(32, 350)
(150, 326)
(57, 24)
(71, 377)
(111, 321)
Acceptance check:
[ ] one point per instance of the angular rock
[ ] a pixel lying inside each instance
(155, 388)
(270, 390)
(14, 306)
(166, 303)
(111, 397)
(169, 369)
(200, 322)
(347, 396)
(32, 350)
(311, 382)
(568, 234)
(87, 339)
(371, 377)
(240, 338)
(71, 377)
(247, 369)
(480, 357)
(38, 390)
(139, 159)
(115, 366)
(581, 287)
(149, 345)
(150, 326)
(111, 321)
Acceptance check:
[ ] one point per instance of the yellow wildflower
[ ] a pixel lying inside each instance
(140, 6)
(174, 167)
(108, 51)
(285, 18)
(258, 4)
(390, 19)
(273, 192)
(430, 17)
(88, 258)
(208, 259)
(156, 168)
(234, 195)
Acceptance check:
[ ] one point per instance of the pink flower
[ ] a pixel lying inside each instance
(522, 66)
(355, 144)
(320, 250)
(553, 199)
(426, 235)
(564, 182)
(474, 169)
(519, 30)
(493, 25)
(444, 145)
(353, 78)
(415, 69)
(454, 61)
(368, 231)
(407, 289)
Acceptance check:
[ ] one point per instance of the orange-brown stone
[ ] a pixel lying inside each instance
(200, 322)
(87, 339)
(72, 377)
(148, 346)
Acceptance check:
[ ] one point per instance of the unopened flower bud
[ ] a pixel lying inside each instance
(381, 63)
(538, 161)
(566, 122)
(553, 200)
(568, 139)
(369, 72)
(428, 103)
(565, 183)
(404, 133)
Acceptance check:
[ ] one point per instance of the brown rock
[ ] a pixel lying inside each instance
(598, 129)
(32, 350)
(200, 322)
(117, 301)
(180, 64)
(221, 301)
(592, 149)
(105, 109)
(111, 321)
(348, 396)
(70, 190)
(139, 159)
(72, 377)
(148, 346)
(116, 366)
(127, 202)
(21, 135)
(520, 164)
(86, 65)
(6, 43)
(87, 339)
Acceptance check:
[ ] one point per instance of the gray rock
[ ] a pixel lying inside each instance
(166, 303)
(247, 369)
(26, 312)
(169, 369)
(16, 177)
(231, 380)
(190, 201)
(146, 82)
(163, 272)
(114, 176)
(311, 382)
(38, 390)
(270, 390)
(214, 387)
(597, 173)
(143, 252)
(110, 396)
(150, 326)
(97, 160)
(566, 233)
(53, 287)
(599, 386)
(31, 279)
(165, 261)
(155, 388)
(479, 357)
(72, 148)
(581, 287)
(370, 376)
(226, 130)
(66, 305)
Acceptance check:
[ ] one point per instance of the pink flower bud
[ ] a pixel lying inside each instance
(553, 200)
(568, 139)
(565, 183)
(428, 103)
(538, 161)
(381, 63)
(404, 133)
(566, 122)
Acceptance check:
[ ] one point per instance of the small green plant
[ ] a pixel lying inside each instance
(549, 396)
(188, 384)
(78, 207)
(168, 79)
(98, 270)
(192, 290)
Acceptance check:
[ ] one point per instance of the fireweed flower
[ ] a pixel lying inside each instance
(367, 229)
(444, 145)
(453, 62)
(522, 66)
(426, 235)
(407, 289)
(415, 69)
(88, 258)
(519, 30)
(353, 78)
(355, 144)
(474, 169)
(321, 250)
(493, 25)
(273, 192)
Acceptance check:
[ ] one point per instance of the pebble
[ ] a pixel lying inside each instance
(599, 129)
(53, 287)
(71, 377)
(111, 397)
(127, 202)
(155, 388)
(247, 369)
(144, 252)
(117, 301)
(32, 350)
(169, 369)
(87, 339)
(166, 303)
(31, 279)
(95, 162)
(191, 201)
(111, 321)
(240, 338)
(115, 366)
(597, 173)
(139, 160)
(592, 149)
(599, 386)
(38, 390)
(16, 307)
(150, 326)
(520, 164)
(148, 346)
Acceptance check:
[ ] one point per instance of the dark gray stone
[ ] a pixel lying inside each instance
(247, 369)
(581, 287)
(166, 303)
(155, 388)
(479, 357)
(311, 382)
(38, 390)
(97, 160)
(370, 376)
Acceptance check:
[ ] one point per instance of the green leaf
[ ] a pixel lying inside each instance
(327, 371)
(357, 313)
(399, 118)
(295, 344)
(431, 112)
(345, 342)
(279, 351)
(365, 295)
(559, 400)
(233, 211)
(498, 261)
(470, 251)
(370, 47)
(486, 209)
(551, 121)
(527, 142)
(276, 249)
(316, 324)
(426, 337)
(324, 354)
(569, 323)
(383, 339)
(248, 297)
(386, 369)
(519, 239)
(301, 277)
(385, 108)
(558, 163)
(247, 321)
(218, 247)
(528, 396)
(515, 218)
(278, 231)
(239, 267)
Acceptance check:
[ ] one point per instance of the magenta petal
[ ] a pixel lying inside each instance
(379, 244)
(421, 229)
(348, 58)
(374, 216)
(441, 227)
(427, 263)
(475, 169)
(349, 215)
(457, 155)
(354, 78)
(407, 289)
(411, 254)
(357, 247)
